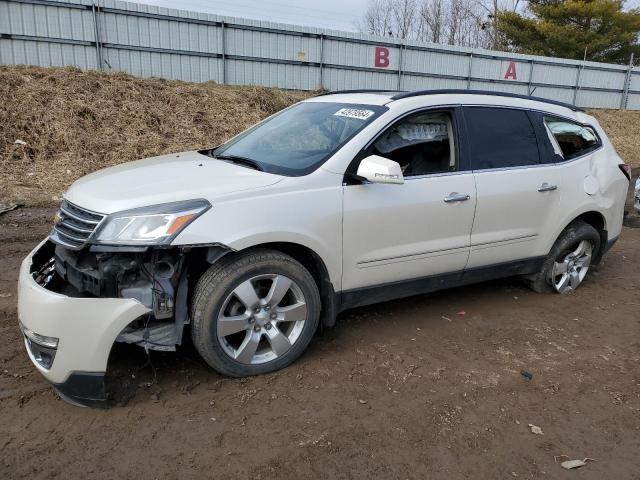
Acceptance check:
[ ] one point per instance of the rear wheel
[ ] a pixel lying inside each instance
(567, 264)
(568, 271)
(254, 313)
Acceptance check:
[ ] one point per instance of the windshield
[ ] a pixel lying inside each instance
(299, 139)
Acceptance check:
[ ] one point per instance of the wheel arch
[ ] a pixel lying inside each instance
(598, 221)
(201, 258)
(313, 262)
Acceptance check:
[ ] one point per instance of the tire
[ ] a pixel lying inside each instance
(571, 241)
(253, 287)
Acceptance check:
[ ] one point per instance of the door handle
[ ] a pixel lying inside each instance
(546, 187)
(456, 197)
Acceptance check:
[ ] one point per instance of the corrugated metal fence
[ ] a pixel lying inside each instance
(145, 40)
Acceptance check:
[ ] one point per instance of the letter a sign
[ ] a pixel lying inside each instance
(511, 72)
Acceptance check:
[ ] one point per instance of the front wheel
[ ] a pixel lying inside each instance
(567, 264)
(254, 313)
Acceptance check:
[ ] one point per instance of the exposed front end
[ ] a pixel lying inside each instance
(69, 338)
(77, 296)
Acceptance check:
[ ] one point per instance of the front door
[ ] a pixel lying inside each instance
(421, 228)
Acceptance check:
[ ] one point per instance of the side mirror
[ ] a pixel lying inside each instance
(377, 169)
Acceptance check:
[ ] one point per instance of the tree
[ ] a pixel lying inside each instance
(377, 19)
(567, 28)
(433, 17)
(492, 8)
(404, 16)
(467, 23)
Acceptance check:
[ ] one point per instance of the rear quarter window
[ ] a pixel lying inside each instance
(572, 139)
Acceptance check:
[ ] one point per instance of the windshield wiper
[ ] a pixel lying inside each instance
(247, 162)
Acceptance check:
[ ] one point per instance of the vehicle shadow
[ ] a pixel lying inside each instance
(132, 371)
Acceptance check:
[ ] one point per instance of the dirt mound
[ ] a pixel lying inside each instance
(68, 123)
(58, 124)
(623, 128)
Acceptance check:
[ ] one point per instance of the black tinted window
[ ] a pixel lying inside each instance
(500, 137)
(572, 139)
(422, 144)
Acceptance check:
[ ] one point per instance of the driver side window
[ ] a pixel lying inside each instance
(422, 144)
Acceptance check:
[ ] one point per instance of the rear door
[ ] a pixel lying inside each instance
(517, 182)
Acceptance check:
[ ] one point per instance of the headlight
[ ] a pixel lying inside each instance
(158, 224)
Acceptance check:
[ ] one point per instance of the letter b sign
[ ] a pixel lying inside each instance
(381, 57)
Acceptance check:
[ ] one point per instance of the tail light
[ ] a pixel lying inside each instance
(626, 169)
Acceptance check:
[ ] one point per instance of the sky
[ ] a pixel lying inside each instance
(335, 14)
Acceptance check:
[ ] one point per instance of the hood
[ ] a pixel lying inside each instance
(164, 179)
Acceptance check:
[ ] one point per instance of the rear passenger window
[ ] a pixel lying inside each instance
(572, 139)
(500, 137)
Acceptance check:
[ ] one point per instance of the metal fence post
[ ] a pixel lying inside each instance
(400, 59)
(627, 82)
(530, 76)
(223, 45)
(577, 87)
(469, 71)
(321, 61)
(96, 28)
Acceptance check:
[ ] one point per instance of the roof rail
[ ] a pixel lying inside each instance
(484, 92)
(364, 90)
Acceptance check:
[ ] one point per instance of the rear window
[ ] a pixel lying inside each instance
(500, 138)
(572, 139)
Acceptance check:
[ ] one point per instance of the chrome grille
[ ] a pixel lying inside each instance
(74, 226)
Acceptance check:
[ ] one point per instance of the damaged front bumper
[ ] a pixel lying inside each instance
(85, 330)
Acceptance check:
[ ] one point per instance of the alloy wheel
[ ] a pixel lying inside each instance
(261, 319)
(569, 269)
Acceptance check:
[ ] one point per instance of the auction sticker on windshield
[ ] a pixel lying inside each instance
(354, 113)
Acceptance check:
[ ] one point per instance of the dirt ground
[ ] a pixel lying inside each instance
(426, 387)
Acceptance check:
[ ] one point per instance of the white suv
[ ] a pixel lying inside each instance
(341, 200)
